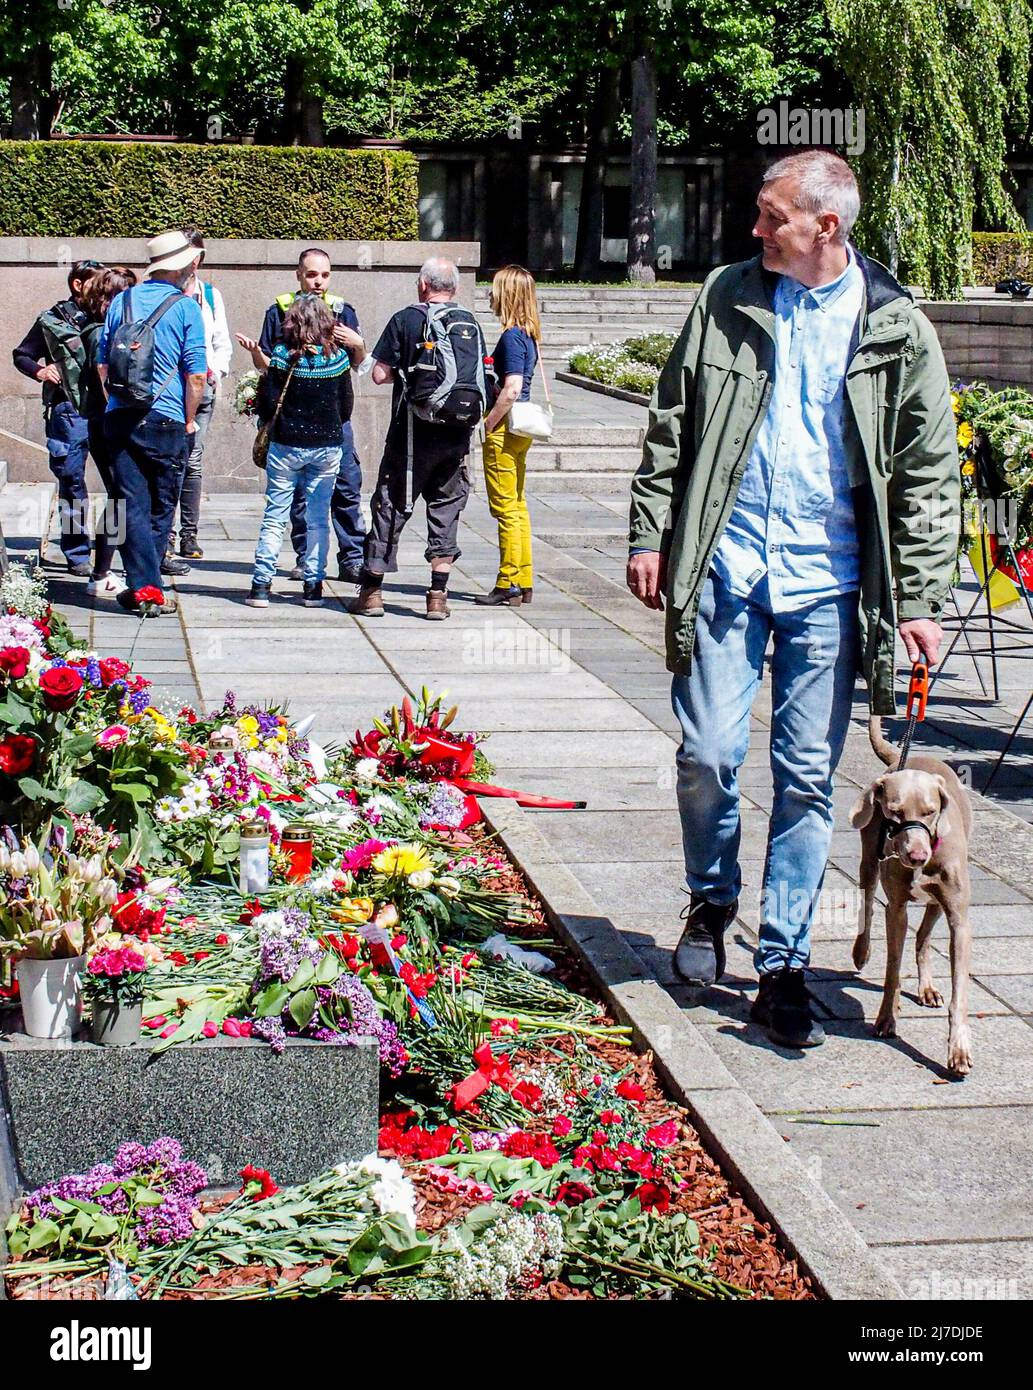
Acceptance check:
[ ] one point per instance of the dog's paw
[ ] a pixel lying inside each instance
(886, 1025)
(862, 950)
(931, 997)
(959, 1055)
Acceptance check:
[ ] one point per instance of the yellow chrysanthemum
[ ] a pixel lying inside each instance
(399, 861)
(955, 401)
(965, 434)
(248, 724)
(968, 469)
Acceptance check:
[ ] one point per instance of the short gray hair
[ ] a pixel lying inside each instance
(440, 274)
(827, 184)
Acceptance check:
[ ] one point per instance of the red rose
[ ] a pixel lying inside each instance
(112, 668)
(14, 661)
(60, 686)
(150, 593)
(17, 754)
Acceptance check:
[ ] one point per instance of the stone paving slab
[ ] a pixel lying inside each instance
(978, 1271)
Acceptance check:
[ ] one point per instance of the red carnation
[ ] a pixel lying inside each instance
(572, 1194)
(14, 661)
(663, 1135)
(17, 754)
(561, 1126)
(112, 668)
(257, 1183)
(631, 1090)
(60, 686)
(150, 593)
(653, 1196)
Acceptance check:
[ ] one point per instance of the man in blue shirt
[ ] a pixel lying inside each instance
(817, 408)
(149, 447)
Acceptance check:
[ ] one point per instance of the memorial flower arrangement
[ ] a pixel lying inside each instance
(1001, 422)
(115, 974)
(245, 396)
(53, 903)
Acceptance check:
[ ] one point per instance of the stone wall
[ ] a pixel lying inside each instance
(377, 277)
(986, 337)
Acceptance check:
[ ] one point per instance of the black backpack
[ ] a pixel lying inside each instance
(131, 355)
(449, 382)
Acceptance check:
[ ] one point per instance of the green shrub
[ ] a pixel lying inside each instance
(1000, 256)
(93, 188)
(653, 348)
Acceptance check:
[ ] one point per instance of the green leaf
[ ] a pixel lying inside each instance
(304, 975)
(328, 969)
(272, 1000)
(313, 1278)
(81, 797)
(36, 791)
(136, 792)
(147, 1197)
(303, 1006)
(43, 1233)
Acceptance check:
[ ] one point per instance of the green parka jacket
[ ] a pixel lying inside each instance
(900, 439)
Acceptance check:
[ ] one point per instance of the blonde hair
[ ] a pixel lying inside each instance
(514, 300)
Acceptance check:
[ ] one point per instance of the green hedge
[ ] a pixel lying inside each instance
(1000, 256)
(93, 188)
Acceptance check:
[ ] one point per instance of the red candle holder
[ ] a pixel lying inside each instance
(296, 844)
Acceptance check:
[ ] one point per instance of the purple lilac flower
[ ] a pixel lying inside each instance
(297, 747)
(165, 1151)
(272, 1031)
(128, 1158)
(229, 703)
(445, 807)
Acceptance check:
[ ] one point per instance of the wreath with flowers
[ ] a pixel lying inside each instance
(1000, 423)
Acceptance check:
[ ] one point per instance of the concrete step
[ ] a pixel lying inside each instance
(4, 470)
(548, 458)
(602, 294)
(575, 436)
(587, 482)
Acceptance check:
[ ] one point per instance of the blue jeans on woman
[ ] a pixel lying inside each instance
(314, 470)
(813, 668)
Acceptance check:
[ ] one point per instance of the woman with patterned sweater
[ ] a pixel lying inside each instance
(313, 376)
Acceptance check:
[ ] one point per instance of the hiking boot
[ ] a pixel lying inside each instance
(259, 596)
(369, 604)
(170, 565)
(437, 605)
(189, 549)
(783, 1008)
(496, 597)
(312, 596)
(527, 595)
(699, 956)
(350, 576)
(297, 574)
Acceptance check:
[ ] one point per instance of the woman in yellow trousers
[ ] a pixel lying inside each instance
(515, 304)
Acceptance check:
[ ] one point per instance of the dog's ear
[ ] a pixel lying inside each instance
(943, 825)
(864, 807)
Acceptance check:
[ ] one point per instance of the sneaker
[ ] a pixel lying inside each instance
(170, 565)
(350, 576)
(437, 605)
(83, 570)
(126, 600)
(369, 604)
(699, 956)
(312, 596)
(190, 550)
(783, 1008)
(514, 597)
(105, 587)
(297, 574)
(259, 596)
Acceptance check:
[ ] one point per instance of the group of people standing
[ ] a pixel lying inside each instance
(130, 371)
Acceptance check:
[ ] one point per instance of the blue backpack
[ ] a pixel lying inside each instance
(131, 355)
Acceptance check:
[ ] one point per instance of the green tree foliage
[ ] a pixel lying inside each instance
(941, 85)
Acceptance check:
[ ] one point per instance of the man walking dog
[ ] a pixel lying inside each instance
(800, 462)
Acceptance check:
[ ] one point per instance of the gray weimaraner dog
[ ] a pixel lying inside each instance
(914, 829)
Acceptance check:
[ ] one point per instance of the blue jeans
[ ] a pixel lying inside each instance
(813, 669)
(290, 468)
(345, 508)
(67, 446)
(148, 455)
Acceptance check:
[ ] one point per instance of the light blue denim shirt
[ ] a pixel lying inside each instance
(793, 521)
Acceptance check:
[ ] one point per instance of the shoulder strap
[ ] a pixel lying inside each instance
(209, 295)
(545, 379)
(163, 308)
(279, 403)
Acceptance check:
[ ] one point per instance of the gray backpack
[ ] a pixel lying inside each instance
(450, 379)
(131, 355)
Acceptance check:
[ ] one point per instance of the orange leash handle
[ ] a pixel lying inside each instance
(918, 690)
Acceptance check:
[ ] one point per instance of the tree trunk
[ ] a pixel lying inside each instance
(312, 128)
(603, 121)
(642, 221)
(292, 102)
(33, 106)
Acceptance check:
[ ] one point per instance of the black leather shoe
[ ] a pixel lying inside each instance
(312, 596)
(297, 574)
(514, 597)
(170, 565)
(83, 570)
(699, 956)
(783, 1008)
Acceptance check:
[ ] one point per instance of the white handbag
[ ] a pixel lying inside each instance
(530, 420)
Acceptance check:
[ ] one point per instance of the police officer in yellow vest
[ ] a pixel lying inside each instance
(313, 274)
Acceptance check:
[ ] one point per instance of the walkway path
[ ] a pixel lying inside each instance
(935, 1175)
